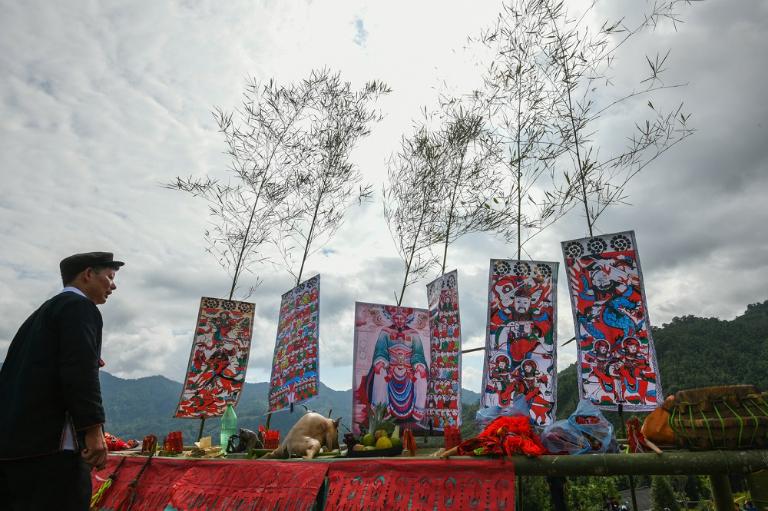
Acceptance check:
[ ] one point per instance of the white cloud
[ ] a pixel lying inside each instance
(101, 102)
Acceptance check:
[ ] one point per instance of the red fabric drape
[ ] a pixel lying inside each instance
(210, 484)
(419, 485)
(155, 484)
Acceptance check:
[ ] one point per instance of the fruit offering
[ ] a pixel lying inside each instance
(350, 440)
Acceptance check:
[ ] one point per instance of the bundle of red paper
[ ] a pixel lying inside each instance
(505, 436)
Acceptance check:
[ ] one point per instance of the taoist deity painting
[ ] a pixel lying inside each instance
(610, 315)
(520, 355)
(295, 363)
(444, 383)
(390, 365)
(218, 360)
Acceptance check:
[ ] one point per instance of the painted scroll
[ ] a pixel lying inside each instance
(610, 315)
(390, 365)
(521, 337)
(443, 389)
(295, 363)
(219, 357)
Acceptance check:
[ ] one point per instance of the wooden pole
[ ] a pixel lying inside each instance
(202, 424)
(631, 477)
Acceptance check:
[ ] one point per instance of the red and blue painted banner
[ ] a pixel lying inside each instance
(218, 360)
(444, 384)
(295, 368)
(391, 364)
(616, 356)
(520, 354)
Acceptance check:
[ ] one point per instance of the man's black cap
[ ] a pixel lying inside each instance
(74, 264)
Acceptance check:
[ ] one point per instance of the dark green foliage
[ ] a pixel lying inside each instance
(662, 495)
(696, 352)
(468, 412)
(590, 493)
(532, 493)
(567, 392)
(701, 352)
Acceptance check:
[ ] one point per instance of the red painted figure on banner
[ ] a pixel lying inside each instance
(601, 362)
(634, 369)
(518, 322)
(532, 379)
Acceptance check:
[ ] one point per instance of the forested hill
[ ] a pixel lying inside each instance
(699, 352)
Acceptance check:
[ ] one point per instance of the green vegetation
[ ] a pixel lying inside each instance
(662, 495)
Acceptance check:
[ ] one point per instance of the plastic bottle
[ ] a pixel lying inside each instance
(228, 426)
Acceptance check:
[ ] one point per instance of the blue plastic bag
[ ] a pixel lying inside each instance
(485, 416)
(585, 431)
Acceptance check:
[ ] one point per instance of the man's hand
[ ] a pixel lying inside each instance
(379, 367)
(95, 452)
(420, 371)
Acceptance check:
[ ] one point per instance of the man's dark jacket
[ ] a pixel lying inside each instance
(50, 378)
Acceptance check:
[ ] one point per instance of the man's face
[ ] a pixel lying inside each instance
(99, 284)
(399, 320)
(522, 304)
(631, 348)
(602, 348)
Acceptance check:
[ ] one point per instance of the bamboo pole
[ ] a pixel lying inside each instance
(721, 492)
(670, 463)
(758, 489)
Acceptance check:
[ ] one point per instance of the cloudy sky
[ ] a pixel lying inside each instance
(102, 101)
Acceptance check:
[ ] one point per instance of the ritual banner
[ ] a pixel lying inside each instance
(393, 485)
(295, 363)
(616, 356)
(390, 365)
(520, 354)
(218, 359)
(443, 389)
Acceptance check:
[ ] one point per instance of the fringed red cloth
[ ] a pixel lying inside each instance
(155, 484)
(420, 485)
(225, 486)
(222, 485)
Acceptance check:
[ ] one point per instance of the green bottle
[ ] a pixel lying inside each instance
(228, 426)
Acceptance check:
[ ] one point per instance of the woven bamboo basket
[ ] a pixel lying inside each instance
(728, 417)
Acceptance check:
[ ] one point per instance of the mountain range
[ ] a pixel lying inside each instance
(136, 408)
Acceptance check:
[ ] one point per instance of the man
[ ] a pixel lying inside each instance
(51, 429)
(398, 373)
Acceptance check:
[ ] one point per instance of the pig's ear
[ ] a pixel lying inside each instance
(336, 422)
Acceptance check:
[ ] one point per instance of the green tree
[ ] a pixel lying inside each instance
(521, 105)
(663, 495)
(323, 182)
(411, 199)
